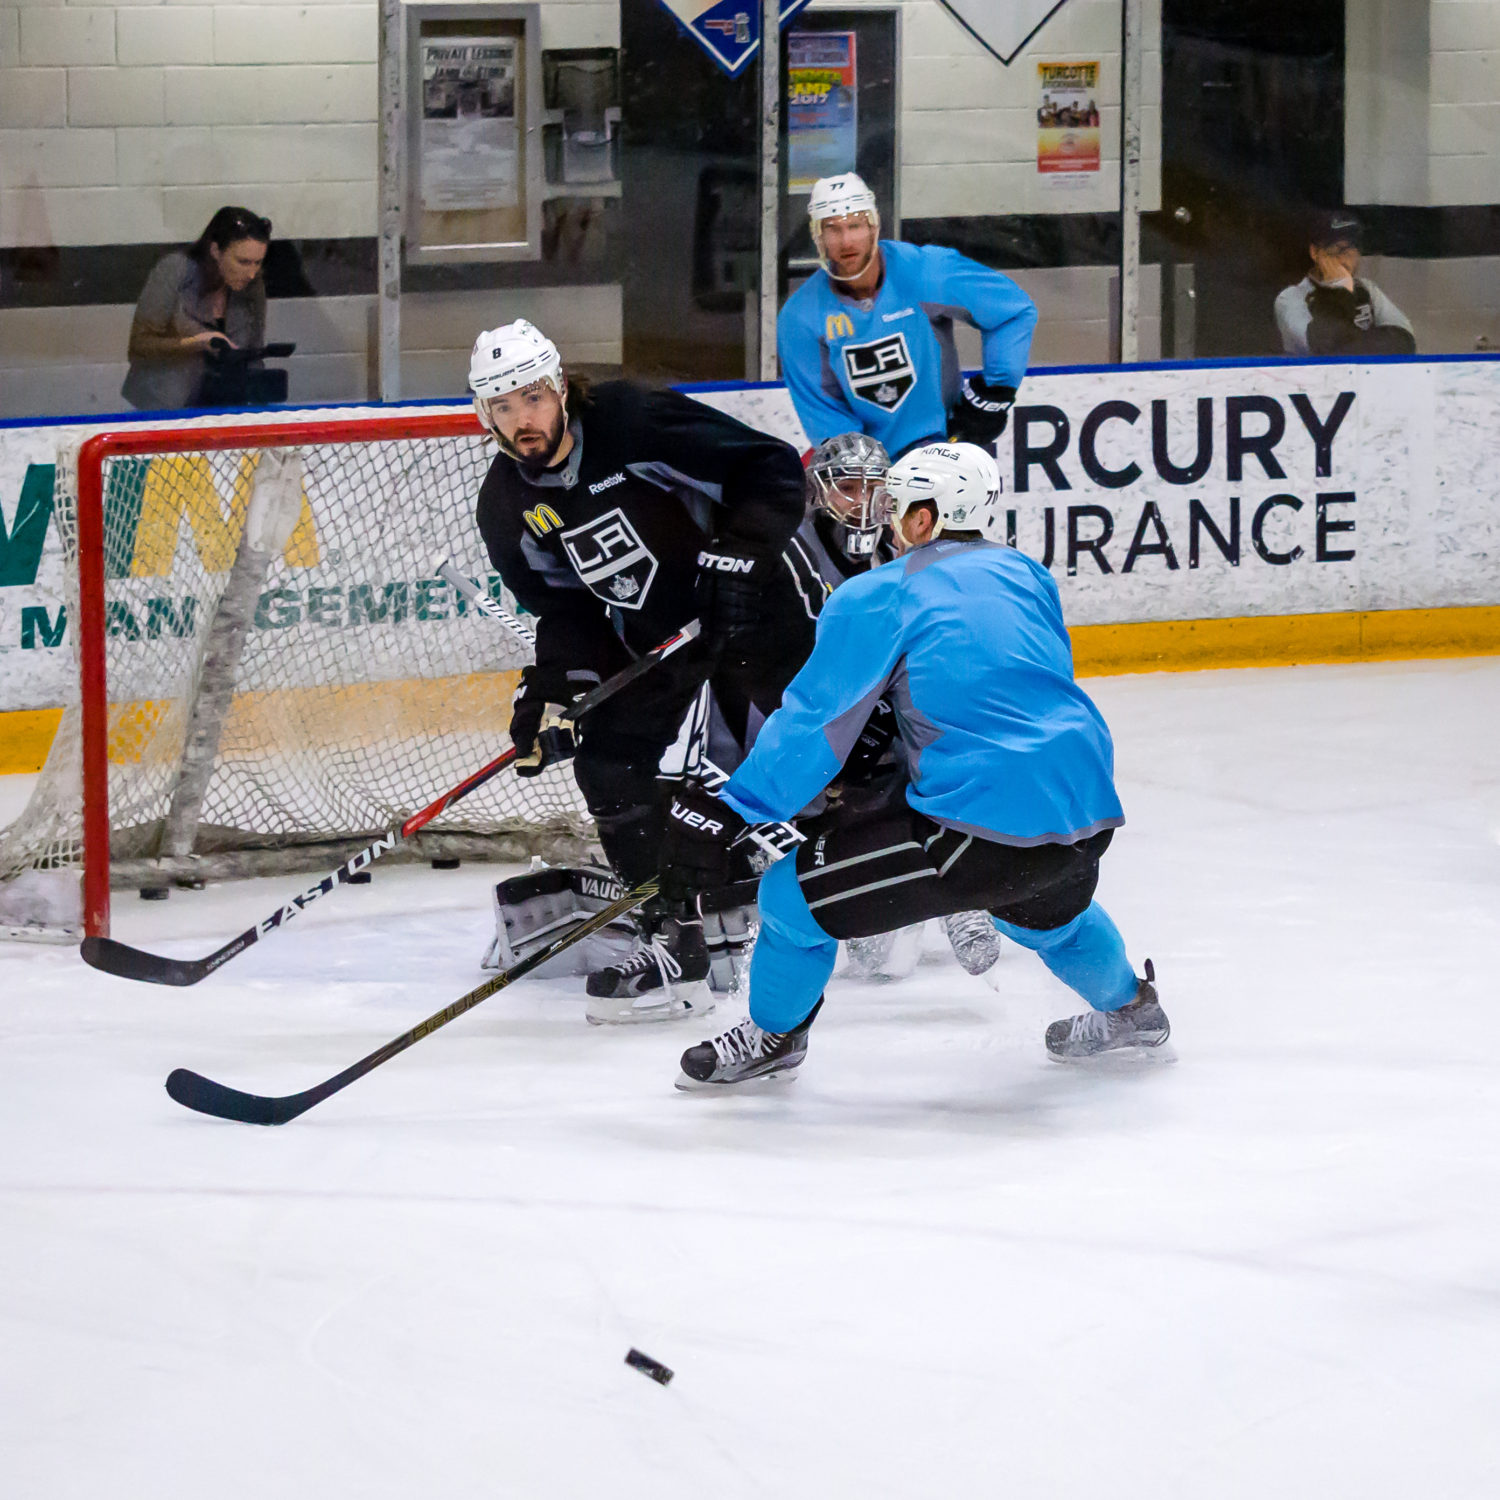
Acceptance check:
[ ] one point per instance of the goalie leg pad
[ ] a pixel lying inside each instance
(533, 909)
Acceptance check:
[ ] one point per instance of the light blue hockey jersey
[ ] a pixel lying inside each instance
(888, 367)
(968, 639)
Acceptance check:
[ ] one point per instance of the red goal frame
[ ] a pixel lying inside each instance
(93, 674)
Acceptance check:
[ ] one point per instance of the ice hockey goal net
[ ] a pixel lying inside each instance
(296, 684)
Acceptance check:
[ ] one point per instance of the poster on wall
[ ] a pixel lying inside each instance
(470, 155)
(1067, 122)
(822, 106)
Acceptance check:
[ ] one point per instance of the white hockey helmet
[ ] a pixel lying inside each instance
(961, 480)
(510, 359)
(838, 198)
(846, 476)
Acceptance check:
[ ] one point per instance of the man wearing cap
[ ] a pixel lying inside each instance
(866, 343)
(1333, 311)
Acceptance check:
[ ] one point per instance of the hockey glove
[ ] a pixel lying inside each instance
(695, 850)
(864, 760)
(541, 735)
(731, 588)
(981, 412)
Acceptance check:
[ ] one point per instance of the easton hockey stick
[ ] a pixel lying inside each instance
(114, 957)
(195, 1091)
(154, 968)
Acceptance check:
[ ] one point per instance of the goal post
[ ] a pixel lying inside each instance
(251, 703)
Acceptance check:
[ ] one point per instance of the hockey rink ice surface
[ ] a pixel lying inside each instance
(935, 1265)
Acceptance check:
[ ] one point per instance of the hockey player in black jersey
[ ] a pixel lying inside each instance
(617, 515)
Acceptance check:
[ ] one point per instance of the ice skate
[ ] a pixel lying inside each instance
(662, 980)
(975, 942)
(1142, 1023)
(885, 955)
(743, 1053)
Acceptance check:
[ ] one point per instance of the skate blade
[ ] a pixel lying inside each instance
(598, 1012)
(1160, 1055)
(762, 1083)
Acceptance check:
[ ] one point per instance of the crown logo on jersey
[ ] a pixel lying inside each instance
(623, 587)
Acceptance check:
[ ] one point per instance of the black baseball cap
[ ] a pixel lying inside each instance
(1338, 227)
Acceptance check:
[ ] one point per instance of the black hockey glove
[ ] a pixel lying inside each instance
(863, 761)
(695, 850)
(732, 583)
(541, 735)
(981, 412)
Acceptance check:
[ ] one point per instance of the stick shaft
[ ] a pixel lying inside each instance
(207, 1097)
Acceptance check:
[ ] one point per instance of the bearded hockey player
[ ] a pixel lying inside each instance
(616, 516)
(1011, 801)
(867, 342)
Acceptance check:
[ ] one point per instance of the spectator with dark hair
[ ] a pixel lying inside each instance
(208, 296)
(1333, 311)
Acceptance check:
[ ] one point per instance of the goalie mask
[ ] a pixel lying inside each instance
(843, 197)
(847, 479)
(508, 359)
(961, 481)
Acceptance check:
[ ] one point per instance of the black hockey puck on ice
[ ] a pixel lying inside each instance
(361, 877)
(648, 1366)
(154, 893)
(446, 864)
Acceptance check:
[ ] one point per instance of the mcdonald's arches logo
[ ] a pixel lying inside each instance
(839, 325)
(542, 520)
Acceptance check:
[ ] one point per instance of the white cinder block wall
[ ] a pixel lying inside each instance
(1422, 115)
(968, 124)
(131, 124)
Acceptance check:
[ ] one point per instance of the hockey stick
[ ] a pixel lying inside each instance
(774, 838)
(118, 958)
(113, 957)
(195, 1091)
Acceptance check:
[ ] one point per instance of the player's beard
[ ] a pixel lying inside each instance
(538, 457)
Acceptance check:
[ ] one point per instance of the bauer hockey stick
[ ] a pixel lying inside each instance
(113, 957)
(195, 1091)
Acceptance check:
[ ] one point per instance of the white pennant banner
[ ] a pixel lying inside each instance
(1003, 27)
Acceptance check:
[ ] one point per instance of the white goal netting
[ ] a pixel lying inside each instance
(364, 687)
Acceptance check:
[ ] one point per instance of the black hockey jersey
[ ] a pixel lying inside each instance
(603, 549)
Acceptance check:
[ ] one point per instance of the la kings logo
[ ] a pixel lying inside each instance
(881, 371)
(611, 559)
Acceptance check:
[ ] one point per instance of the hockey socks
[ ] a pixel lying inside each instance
(1087, 954)
(793, 957)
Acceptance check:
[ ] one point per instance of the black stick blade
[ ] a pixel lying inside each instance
(194, 1091)
(121, 959)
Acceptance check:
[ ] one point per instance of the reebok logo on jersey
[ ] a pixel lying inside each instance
(605, 484)
(717, 564)
(881, 371)
(905, 312)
